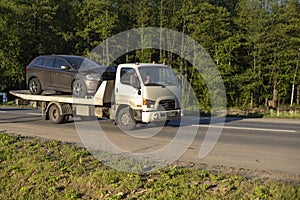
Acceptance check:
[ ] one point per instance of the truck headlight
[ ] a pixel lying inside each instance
(149, 103)
(93, 77)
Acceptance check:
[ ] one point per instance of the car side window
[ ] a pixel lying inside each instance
(60, 62)
(39, 61)
(49, 62)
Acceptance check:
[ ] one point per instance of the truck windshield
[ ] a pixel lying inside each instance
(158, 76)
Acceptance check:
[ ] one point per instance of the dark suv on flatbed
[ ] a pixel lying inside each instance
(64, 73)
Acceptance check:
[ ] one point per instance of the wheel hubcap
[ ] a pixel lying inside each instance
(33, 86)
(55, 114)
(77, 89)
(125, 119)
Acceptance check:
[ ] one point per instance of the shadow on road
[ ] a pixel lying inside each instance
(14, 109)
(20, 119)
(190, 121)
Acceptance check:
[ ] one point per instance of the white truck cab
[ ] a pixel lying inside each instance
(145, 93)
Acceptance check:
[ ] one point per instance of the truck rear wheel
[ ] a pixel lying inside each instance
(125, 119)
(55, 116)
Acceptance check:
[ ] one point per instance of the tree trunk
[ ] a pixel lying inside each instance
(275, 94)
(293, 86)
(160, 33)
(298, 95)
(107, 44)
(254, 71)
(292, 95)
(127, 50)
(251, 100)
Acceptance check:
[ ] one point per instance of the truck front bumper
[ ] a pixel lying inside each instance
(152, 116)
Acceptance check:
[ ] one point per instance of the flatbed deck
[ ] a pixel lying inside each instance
(51, 97)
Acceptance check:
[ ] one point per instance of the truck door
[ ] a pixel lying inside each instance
(128, 88)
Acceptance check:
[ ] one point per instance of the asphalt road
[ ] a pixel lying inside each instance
(250, 144)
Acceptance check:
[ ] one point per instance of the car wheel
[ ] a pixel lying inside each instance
(79, 88)
(55, 116)
(125, 119)
(35, 86)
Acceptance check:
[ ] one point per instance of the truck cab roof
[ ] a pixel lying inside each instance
(136, 65)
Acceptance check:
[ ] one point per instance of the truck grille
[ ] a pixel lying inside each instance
(167, 104)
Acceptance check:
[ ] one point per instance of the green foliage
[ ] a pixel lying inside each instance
(98, 20)
(292, 114)
(270, 54)
(255, 44)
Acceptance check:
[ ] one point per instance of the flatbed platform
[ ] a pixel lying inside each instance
(51, 97)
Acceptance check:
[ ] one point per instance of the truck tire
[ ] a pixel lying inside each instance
(66, 118)
(35, 86)
(55, 116)
(79, 88)
(125, 119)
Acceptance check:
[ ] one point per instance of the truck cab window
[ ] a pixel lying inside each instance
(158, 76)
(129, 77)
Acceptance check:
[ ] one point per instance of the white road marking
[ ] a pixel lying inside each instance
(248, 128)
(38, 114)
(1, 111)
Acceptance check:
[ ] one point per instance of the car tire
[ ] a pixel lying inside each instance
(125, 119)
(79, 89)
(55, 116)
(35, 86)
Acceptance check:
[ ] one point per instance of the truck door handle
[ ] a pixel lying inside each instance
(117, 90)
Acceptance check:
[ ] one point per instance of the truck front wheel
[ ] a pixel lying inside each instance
(125, 119)
(54, 115)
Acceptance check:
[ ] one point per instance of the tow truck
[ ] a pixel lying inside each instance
(139, 93)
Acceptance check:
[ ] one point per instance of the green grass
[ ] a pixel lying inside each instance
(13, 104)
(8, 103)
(35, 169)
(292, 114)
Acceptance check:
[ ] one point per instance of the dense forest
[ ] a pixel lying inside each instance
(254, 43)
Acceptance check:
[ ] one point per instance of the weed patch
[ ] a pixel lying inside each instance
(35, 169)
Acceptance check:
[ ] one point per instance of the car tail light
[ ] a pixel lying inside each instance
(26, 68)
